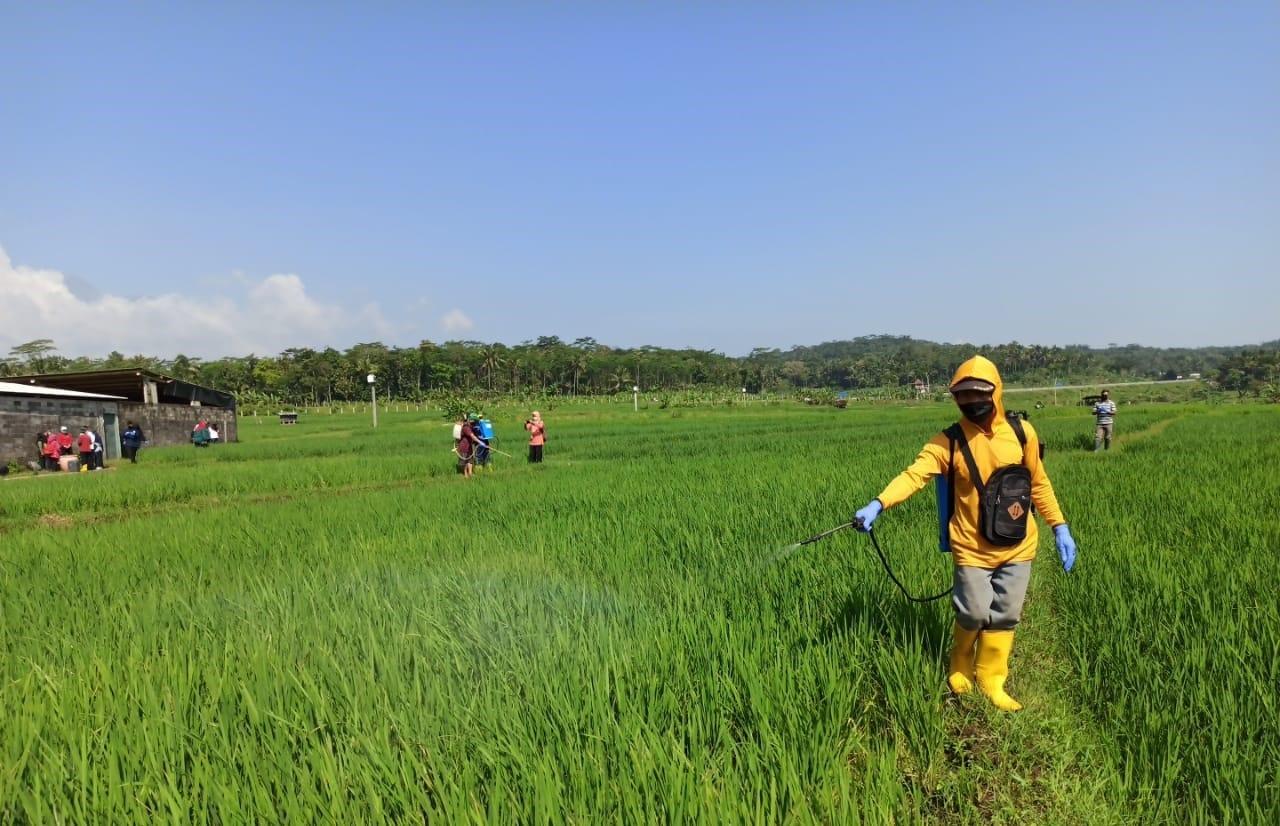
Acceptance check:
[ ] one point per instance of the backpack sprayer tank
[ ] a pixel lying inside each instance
(457, 432)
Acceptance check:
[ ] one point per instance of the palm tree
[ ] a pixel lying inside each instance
(515, 363)
(491, 359)
(580, 363)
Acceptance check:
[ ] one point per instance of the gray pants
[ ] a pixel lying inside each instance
(1102, 434)
(990, 598)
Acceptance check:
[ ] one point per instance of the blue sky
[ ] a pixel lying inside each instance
(224, 178)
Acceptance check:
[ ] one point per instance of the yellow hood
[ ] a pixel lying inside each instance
(981, 367)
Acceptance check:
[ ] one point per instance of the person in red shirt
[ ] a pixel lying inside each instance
(84, 444)
(466, 447)
(51, 451)
(65, 441)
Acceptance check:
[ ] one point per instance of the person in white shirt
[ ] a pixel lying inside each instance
(95, 463)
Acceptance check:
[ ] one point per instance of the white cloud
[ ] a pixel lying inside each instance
(237, 317)
(456, 321)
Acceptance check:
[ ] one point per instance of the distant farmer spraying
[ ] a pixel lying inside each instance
(992, 467)
(465, 446)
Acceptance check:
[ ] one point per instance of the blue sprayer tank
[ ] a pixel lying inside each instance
(486, 429)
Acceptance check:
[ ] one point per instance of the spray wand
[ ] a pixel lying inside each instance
(823, 535)
(491, 448)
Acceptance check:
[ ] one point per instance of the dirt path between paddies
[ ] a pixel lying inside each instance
(1149, 432)
(1045, 764)
(1050, 762)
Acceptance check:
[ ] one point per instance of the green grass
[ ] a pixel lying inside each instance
(324, 622)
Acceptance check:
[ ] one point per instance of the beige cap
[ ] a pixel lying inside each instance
(973, 384)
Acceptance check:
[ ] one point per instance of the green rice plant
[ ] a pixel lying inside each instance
(325, 622)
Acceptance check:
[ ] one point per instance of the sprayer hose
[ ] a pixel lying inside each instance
(876, 544)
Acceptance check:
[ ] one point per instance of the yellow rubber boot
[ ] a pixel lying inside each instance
(960, 674)
(992, 668)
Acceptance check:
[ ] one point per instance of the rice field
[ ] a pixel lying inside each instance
(325, 623)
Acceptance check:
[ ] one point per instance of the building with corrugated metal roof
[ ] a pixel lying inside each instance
(165, 407)
(28, 410)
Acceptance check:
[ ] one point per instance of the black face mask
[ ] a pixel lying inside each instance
(978, 412)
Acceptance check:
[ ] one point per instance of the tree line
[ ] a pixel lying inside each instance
(551, 366)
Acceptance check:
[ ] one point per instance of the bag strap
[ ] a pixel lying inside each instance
(975, 475)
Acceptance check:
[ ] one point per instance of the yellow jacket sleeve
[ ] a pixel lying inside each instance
(1042, 495)
(932, 461)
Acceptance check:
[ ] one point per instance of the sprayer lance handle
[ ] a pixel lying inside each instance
(825, 534)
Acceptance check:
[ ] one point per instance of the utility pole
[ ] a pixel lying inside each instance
(373, 389)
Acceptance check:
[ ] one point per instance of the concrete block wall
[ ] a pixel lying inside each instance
(171, 424)
(21, 418)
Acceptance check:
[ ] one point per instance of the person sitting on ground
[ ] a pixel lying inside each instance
(200, 434)
(213, 435)
(537, 436)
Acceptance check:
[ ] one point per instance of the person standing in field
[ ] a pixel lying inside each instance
(480, 452)
(99, 450)
(131, 440)
(992, 463)
(1105, 412)
(51, 452)
(537, 436)
(84, 444)
(466, 447)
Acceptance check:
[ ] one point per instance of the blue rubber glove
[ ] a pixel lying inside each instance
(1066, 547)
(862, 519)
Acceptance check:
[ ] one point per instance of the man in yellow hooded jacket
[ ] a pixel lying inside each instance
(990, 581)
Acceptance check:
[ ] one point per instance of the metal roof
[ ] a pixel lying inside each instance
(8, 388)
(128, 382)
